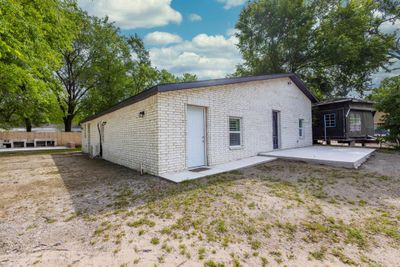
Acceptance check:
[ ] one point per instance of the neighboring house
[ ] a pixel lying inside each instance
(345, 119)
(174, 127)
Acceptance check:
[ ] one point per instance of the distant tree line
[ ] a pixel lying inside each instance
(57, 63)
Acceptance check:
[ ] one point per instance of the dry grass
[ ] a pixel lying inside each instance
(279, 213)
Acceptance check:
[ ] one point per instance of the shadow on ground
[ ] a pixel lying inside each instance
(96, 185)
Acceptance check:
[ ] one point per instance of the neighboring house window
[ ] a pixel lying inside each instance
(330, 120)
(301, 128)
(355, 122)
(235, 131)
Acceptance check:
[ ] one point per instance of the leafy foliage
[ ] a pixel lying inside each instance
(387, 99)
(334, 45)
(31, 34)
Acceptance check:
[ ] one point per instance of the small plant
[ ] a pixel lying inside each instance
(155, 241)
(202, 252)
(143, 221)
(318, 254)
(50, 220)
(252, 205)
(264, 261)
(220, 226)
(255, 244)
(338, 252)
(211, 263)
(354, 235)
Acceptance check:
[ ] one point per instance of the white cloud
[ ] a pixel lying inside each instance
(205, 55)
(131, 14)
(231, 3)
(231, 31)
(195, 17)
(162, 38)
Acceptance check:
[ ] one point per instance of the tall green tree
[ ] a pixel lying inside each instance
(334, 46)
(31, 34)
(94, 71)
(387, 99)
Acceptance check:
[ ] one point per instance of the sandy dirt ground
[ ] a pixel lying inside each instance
(68, 210)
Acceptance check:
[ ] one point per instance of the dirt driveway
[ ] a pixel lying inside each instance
(69, 210)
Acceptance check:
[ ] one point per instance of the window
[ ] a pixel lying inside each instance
(235, 133)
(330, 120)
(301, 128)
(355, 122)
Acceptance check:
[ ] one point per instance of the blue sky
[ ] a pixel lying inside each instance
(195, 36)
(214, 19)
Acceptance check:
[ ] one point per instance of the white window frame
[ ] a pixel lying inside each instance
(355, 126)
(240, 132)
(301, 128)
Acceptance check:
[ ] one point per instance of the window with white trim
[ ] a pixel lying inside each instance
(355, 122)
(330, 120)
(235, 131)
(301, 128)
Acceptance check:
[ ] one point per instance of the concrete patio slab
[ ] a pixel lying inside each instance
(25, 149)
(347, 157)
(215, 169)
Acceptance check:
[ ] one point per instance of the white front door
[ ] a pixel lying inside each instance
(195, 136)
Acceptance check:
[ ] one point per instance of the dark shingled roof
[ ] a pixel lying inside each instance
(198, 84)
(343, 100)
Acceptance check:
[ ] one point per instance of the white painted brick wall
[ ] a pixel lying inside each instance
(252, 101)
(128, 139)
(158, 140)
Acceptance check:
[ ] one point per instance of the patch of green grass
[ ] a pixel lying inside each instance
(318, 254)
(211, 263)
(202, 253)
(384, 225)
(155, 241)
(255, 244)
(141, 222)
(49, 220)
(104, 226)
(220, 226)
(288, 228)
(338, 253)
(264, 261)
(72, 216)
(167, 248)
(354, 235)
(252, 205)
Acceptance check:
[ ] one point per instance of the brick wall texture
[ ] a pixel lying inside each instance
(157, 141)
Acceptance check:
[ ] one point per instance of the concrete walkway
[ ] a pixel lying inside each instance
(24, 149)
(215, 169)
(347, 157)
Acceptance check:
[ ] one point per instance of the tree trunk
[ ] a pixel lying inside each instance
(68, 122)
(28, 125)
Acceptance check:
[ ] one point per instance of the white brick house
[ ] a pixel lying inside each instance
(173, 127)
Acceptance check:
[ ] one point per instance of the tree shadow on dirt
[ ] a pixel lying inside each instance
(96, 185)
